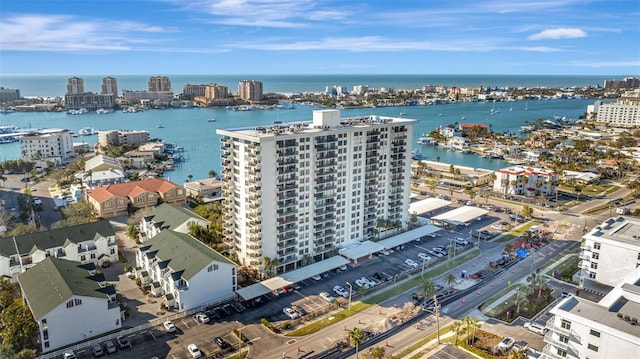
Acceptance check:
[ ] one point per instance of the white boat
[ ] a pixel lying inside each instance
(79, 111)
(526, 106)
(426, 141)
(87, 131)
(403, 113)
(211, 120)
(102, 111)
(526, 129)
(159, 126)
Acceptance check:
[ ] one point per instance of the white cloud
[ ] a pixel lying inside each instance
(558, 33)
(62, 33)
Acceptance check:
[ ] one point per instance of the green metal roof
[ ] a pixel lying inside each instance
(54, 238)
(54, 281)
(184, 253)
(168, 216)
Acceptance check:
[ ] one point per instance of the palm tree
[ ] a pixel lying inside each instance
(517, 354)
(428, 289)
(190, 177)
(457, 328)
(472, 325)
(450, 280)
(537, 282)
(355, 338)
(212, 174)
(520, 296)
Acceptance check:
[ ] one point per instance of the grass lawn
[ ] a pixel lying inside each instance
(358, 307)
(567, 269)
(517, 232)
(571, 251)
(500, 307)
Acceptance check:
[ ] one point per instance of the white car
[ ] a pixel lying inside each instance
(317, 277)
(411, 263)
(506, 343)
(169, 326)
(386, 252)
(341, 291)
(37, 201)
(290, 313)
(343, 267)
(372, 283)
(462, 241)
(437, 253)
(363, 283)
(326, 296)
(424, 256)
(496, 227)
(536, 328)
(202, 318)
(68, 354)
(194, 351)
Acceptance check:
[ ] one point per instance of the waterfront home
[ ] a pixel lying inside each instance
(461, 177)
(209, 189)
(69, 301)
(477, 129)
(449, 132)
(93, 242)
(119, 199)
(529, 181)
(580, 177)
(186, 273)
(102, 163)
(169, 217)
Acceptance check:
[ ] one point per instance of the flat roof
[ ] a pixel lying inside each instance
(289, 278)
(408, 236)
(428, 205)
(463, 214)
(360, 250)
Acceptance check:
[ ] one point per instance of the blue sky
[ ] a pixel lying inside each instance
(562, 37)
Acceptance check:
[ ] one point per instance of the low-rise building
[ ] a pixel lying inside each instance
(69, 301)
(55, 145)
(122, 138)
(461, 176)
(529, 181)
(185, 272)
(475, 129)
(209, 189)
(611, 250)
(169, 217)
(93, 242)
(609, 328)
(118, 199)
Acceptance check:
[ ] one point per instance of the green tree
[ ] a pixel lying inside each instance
(376, 353)
(472, 324)
(457, 327)
(17, 326)
(355, 338)
(520, 297)
(517, 354)
(527, 211)
(427, 288)
(212, 174)
(450, 280)
(538, 282)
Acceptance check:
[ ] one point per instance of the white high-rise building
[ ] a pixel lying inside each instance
(296, 193)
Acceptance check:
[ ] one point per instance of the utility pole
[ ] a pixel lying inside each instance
(350, 291)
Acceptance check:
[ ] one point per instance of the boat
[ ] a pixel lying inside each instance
(511, 108)
(6, 111)
(427, 141)
(102, 111)
(159, 126)
(526, 129)
(87, 131)
(526, 106)
(79, 111)
(276, 122)
(416, 155)
(403, 113)
(130, 109)
(211, 120)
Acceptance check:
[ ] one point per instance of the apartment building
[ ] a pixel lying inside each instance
(609, 328)
(169, 217)
(48, 144)
(69, 301)
(250, 90)
(191, 91)
(9, 95)
(75, 86)
(611, 250)
(122, 137)
(159, 84)
(77, 97)
(93, 242)
(110, 86)
(216, 92)
(185, 272)
(304, 190)
(528, 181)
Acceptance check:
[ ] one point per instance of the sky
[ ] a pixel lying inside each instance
(539, 37)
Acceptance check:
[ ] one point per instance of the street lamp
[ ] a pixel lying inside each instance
(350, 291)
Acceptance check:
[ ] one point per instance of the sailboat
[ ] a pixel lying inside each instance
(526, 106)
(511, 108)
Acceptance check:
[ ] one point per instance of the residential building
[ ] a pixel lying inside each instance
(90, 101)
(209, 189)
(611, 250)
(93, 179)
(9, 95)
(75, 86)
(169, 217)
(303, 190)
(476, 129)
(216, 92)
(250, 90)
(627, 82)
(461, 176)
(623, 113)
(118, 199)
(110, 86)
(191, 91)
(449, 132)
(48, 144)
(139, 97)
(609, 328)
(159, 84)
(102, 163)
(184, 271)
(93, 242)
(122, 138)
(529, 181)
(69, 301)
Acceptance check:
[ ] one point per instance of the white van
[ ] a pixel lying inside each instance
(536, 328)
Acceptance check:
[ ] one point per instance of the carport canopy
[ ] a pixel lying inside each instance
(459, 215)
(365, 248)
(408, 236)
(428, 205)
(289, 278)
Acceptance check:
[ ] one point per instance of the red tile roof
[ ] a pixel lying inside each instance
(131, 189)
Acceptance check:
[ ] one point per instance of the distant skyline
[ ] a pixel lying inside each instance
(544, 37)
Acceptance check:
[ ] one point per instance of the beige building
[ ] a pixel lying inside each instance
(75, 86)
(110, 86)
(159, 84)
(122, 137)
(192, 91)
(529, 181)
(216, 92)
(623, 113)
(49, 144)
(250, 90)
(9, 95)
(460, 177)
(209, 189)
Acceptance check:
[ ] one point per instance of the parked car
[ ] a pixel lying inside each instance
(169, 326)
(506, 343)
(68, 354)
(521, 345)
(411, 263)
(109, 347)
(194, 351)
(202, 318)
(363, 283)
(316, 277)
(327, 297)
(536, 328)
(341, 291)
(371, 282)
(424, 256)
(385, 252)
(343, 267)
(301, 312)
(223, 344)
(461, 241)
(37, 201)
(290, 313)
(437, 253)
(96, 349)
(123, 342)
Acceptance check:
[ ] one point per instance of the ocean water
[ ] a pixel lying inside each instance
(190, 128)
(55, 85)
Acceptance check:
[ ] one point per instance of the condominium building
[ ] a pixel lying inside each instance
(216, 92)
(529, 181)
(110, 86)
(122, 138)
(75, 86)
(611, 250)
(48, 144)
(9, 95)
(607, 329)
(299, 192)
(250, 90)
(623, 113)
(192, 91)
(159, 84)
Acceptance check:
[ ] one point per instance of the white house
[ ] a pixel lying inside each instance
(529, 181)
(185, 271)
(93, 242)
(169, 217)
(69, 301)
